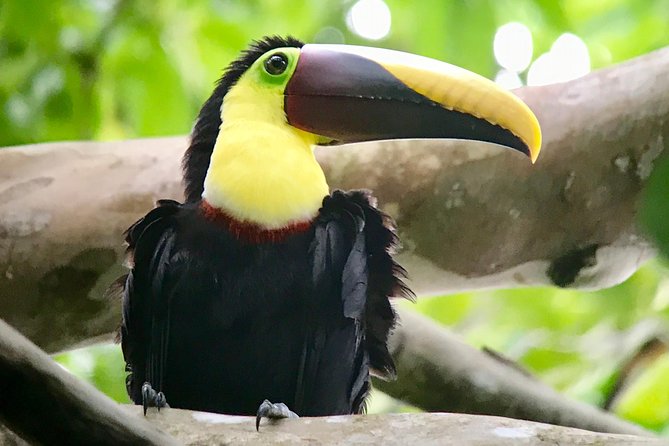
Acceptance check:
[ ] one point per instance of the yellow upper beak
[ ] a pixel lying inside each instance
(351, 77)
(458, 89)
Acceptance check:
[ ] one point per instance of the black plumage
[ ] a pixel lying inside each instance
(219, 323)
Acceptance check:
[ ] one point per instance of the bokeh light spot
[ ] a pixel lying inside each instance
(567, 59)
(513, 46)
(369, 19)
(330, 35)
(508, 79)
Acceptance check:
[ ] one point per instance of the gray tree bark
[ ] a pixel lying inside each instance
(441, 429)
(440, 373)
(470, 215)
(45, 404)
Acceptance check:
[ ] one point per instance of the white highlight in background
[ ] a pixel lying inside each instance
(369, 19)
(513, 46)
(567, 59)
(508, 79)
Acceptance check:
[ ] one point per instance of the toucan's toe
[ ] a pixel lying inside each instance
(151, 398)
(273, 411)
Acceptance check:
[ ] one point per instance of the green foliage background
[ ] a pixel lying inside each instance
(112, 69)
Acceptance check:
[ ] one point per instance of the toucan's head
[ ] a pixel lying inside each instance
(282, 97)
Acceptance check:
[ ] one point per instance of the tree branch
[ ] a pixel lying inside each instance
(388, 429)
(440, 373)
(45, 404)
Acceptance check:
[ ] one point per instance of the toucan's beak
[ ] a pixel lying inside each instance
(349, 94)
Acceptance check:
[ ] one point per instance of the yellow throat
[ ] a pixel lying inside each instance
(263, 170)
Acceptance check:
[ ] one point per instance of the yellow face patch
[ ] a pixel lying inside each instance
(263, 170)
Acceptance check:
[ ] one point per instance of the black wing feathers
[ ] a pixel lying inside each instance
(384, 281)
(330, 339)
(354, 279)
(150, 246)
(160, 309)
(352, 270)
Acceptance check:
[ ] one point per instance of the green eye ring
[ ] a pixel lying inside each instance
(276, 64)
(276, 67)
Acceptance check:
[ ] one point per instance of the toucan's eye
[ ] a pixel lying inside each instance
(276, 64)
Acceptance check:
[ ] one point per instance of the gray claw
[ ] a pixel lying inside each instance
(151, 398)
(273, 411)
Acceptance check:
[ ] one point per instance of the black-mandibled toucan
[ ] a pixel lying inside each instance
(263, 284)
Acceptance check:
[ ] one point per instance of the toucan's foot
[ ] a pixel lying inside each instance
(274, 412)
(151, 398)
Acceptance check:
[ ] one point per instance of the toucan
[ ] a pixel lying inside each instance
(264, 293)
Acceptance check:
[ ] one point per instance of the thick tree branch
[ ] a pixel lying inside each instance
(440, 373)
(45, 404)
(388, 429)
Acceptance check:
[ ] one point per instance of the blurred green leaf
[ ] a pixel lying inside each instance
(446, 309)
(654, 214)
(101, 365)
(646, 401)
